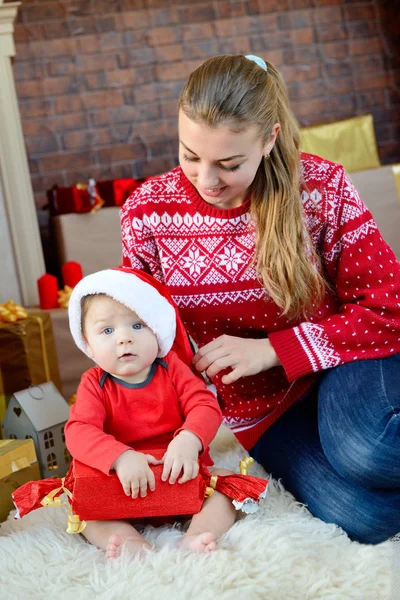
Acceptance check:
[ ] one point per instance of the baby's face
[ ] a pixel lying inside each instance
(118, 340)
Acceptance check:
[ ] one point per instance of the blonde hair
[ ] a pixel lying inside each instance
(86, 302)
(236, 92)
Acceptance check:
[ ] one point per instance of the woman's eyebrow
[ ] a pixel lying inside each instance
(221, 159)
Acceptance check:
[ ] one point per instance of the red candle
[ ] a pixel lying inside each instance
(72, 273)
(48, 291)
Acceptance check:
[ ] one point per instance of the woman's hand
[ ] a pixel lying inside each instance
(244, 356)
(182, 455)
(134, 473)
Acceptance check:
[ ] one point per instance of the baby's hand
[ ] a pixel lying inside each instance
(182, 453)
(134, 473)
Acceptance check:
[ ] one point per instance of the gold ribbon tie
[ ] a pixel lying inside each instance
(75, 525)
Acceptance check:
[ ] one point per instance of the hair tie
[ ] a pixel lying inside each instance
(259, 61)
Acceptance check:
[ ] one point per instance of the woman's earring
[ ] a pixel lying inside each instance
(266, 156)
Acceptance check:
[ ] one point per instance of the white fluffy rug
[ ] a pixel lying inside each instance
(279, 553)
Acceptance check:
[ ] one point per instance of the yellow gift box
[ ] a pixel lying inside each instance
(18, 465)
(350, 142)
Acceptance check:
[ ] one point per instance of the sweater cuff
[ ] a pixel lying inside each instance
(291, 353)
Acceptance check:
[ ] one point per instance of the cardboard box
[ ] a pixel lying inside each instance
(92, 240)
(18, 465)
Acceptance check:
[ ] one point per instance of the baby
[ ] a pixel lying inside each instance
(140, 395)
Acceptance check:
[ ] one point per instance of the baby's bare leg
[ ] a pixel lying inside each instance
(217, 515)
(110, 535)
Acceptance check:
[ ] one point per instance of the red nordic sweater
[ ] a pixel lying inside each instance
(111, 416)
(203, 256)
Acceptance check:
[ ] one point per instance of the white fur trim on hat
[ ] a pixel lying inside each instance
(132, 292)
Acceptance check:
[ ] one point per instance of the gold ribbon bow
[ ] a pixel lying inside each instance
(11, 312)
(75, 525)
(64, 296)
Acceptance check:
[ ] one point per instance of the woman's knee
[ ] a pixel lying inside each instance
(359, 432)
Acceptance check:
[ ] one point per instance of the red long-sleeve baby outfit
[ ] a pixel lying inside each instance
(111, 416)
(204, 256)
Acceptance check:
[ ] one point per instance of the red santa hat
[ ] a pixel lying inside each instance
(143, 294)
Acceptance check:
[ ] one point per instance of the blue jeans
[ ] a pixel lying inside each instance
(338, 449)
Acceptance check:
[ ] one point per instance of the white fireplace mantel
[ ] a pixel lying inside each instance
(20, 226)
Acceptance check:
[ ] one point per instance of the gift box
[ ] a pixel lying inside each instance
(85, 198)
(28, 353)
(18, 465)
(100, 496)
(92, 240)
(114, 192)
(380, 190)
(350, 142)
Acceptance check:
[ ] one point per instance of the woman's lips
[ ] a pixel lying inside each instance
(214, 193)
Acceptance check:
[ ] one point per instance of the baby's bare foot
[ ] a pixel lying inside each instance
(133, 544)
(114, 546)
(201, 542)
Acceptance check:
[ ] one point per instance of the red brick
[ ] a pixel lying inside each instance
(43, 12)
(302, 36)
(160, 17)
(335, 49)
(135, 57)
(156, 92)
(302, 3)
(339, 107)
(363, 46)
(27, 33)
(56, 124)
(294, 56)
(368, 81)
(254, 7)
(172, 71)
(296, 19)
(236, 45)
(68, 104)
(55, 29)
(197, 31)
(359, 13)
(103, 99)
(127, 77)
(226, 9)
(169, 109)
(375, 64)
(311, 108)
(42, 183)
(301, 73)
(127, 5)
(172, 53)
(98, 43)
(203, 50)
(62, 66)
(133, 20)
(44, 144)
(67, 160)
(78, 140)
(105, 24)
(299, 92)
(363, 29)
(59, 86)
(100, 118)
(25, 70)
(87, 63)
(35, 108)
(329, 15)
(82, 175)
(30, 89)
(43, 49)
(158, 165)
(341, 85)
(162, 36)
(136, 38)
(331, 33)
(197, 13)
(123, 152)
(82, 25)
(371, 98)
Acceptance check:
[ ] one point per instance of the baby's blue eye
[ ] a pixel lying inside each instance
(108, 330)
(137, 326)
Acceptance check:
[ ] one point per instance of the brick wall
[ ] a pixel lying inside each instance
(98, 80)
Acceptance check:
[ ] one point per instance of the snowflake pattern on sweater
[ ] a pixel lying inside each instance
(204, 256)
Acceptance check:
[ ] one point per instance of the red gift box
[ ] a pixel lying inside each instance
(75, 199)
(99, 496)
(114, 192)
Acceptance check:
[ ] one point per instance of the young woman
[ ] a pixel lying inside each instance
(286, 285)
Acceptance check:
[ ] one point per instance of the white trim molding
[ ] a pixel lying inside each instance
(14, 171)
